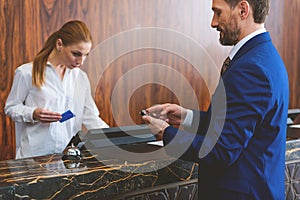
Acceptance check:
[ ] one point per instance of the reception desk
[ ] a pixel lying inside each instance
(97, 176)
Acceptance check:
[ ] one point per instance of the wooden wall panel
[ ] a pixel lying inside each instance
(25, 25)
(291, 48)
(164, 85)
(117, 19)
(10, 25)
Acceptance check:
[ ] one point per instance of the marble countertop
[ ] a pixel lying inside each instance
(98, 175)
(292, 150)
(95, 176)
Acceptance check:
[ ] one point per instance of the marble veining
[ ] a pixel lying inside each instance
(101, 177)
(292, 150)
(50, 177)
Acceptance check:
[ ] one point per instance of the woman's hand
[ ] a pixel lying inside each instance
(46, 116)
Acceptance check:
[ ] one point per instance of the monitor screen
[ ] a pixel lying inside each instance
(105, 137)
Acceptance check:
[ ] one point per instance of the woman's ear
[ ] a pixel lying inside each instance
(59, 44)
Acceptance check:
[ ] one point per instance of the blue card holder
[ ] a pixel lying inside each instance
(66, 115)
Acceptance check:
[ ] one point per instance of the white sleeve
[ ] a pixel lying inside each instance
(15, 106)
(91, 118)
(188, 118)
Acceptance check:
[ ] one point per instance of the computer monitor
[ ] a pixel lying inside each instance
(105, 137)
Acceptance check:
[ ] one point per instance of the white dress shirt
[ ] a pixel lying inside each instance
(189, 117)
(73, 93)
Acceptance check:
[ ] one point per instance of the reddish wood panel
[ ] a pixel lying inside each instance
(157, 51)
(10, 25)
(146, 77)
(291, 48)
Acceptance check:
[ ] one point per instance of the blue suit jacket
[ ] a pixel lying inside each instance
(249, 127)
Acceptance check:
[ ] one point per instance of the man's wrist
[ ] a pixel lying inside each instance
(160, 134)
(163, 128)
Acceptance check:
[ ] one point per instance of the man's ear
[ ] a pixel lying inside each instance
(244, 9)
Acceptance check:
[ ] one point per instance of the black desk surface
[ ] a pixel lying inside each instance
(95, 177)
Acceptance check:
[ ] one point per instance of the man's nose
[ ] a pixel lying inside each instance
(213, 22)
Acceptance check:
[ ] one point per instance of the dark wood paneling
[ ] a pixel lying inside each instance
(143, 85)
(291, 48)
(10, 26)
(25, 25)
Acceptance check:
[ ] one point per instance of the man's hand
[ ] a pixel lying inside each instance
(157, 126)
(171, 113)
(45, 116)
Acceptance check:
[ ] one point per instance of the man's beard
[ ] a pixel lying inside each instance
(231, 33)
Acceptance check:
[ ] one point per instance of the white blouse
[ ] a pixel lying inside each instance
(72, 93)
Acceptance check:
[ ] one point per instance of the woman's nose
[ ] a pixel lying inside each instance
(79, 61)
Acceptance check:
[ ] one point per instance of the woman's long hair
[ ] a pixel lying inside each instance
(70, 33)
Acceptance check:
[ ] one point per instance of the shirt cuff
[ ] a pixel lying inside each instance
(29, 115)
(188, 118)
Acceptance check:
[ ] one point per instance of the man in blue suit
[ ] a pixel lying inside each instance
(240, 140)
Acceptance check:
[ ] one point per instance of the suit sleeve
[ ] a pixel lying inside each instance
(247, 98)
(200, 122)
